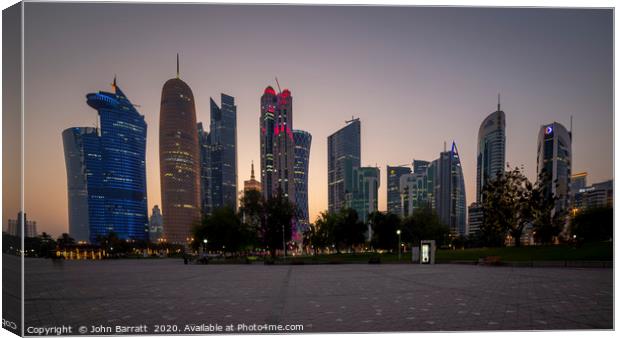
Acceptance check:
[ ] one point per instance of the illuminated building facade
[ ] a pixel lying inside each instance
(106, 171)
(277, 144)
(393, 188)
(303, 141)
(343, 158)
(450, 201)
(15, 226)
(554, 161)
(491, 156)
(179, 160)
(252, 183)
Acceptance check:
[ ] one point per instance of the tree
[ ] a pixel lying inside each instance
(65, 241)
(424, 224)
(252, 209)
(547, 220)
(275, 229)
(506, 207)
(593, 225)
(223, 231)
(325, 229)
(384, 226)
(349, 230)
(316, 237)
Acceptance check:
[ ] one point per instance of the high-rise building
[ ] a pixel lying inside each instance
(598, 195)
(156, 225)
(394, 173)
(303, 141)
(106, 171)
(475, 218)
(364, 198)
(343, 157)
(219, 157)
(578, 181)
(83, 163)
(15, 226)
(277, 143)
(491, 156)
(414, 191)
(450, 192)
(205, 169)
(179, 160)
(252, 183)
(554, 161)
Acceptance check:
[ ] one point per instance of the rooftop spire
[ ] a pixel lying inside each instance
(498, 105)
(252, 175)
(114, 83)
(177, 65)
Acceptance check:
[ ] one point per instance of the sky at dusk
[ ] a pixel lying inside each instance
(415, 76)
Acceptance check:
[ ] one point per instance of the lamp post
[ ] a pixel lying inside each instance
(204, 245)
(398, 233)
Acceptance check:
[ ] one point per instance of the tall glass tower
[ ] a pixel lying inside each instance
(303, 140)
(450, 192)
(491, 155)
(106, 171)
(222, 144)
(343, 157)
(554, 159)
(277, 143)
(394, 173)
(179, 160)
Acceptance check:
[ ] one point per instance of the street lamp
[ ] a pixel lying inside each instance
(398, 233)
(204, 246)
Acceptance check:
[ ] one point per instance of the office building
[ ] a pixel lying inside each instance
(277, 143)
(475, 219)
(179, 160)
(303, 141)
(15, 226)
(106, 171)
(156, 225)
(554, 161)
(394, 173)
(491, 155)
(413, 189)
(599, 195)
(343, 158)
(450, 192)
(252, 183)
(364, 198)
(218, 153)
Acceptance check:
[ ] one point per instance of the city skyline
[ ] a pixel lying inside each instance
(409, 99)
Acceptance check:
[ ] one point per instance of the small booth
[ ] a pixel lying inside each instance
(427, 252)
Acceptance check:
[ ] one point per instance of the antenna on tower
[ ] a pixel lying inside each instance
(498, 109)
(177, 65)
(444, 146)
(278, 83)
(571, 127)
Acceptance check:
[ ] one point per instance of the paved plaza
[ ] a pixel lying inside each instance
(323, 298)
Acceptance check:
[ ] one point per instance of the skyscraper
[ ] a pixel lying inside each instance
(491, 156)
(394, 174)
(343, 157)
(414, 192)
(179, 160)
(252, 183)
(205, 169)
(303, 141)
(156, 225)
(221, 161)
(364, 197)
(450, 192)
(277, 143)
(554, 160)
(106, 171)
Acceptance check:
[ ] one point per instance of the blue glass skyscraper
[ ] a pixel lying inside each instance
(303, 140)
(106, 170)
(343, 158)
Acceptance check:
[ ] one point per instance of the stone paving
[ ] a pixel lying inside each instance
(323, 298)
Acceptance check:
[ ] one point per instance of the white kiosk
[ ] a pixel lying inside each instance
(427, 252)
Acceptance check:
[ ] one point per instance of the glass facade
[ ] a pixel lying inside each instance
(450, 199)
(106, 171)
(343, 157)
(179, 161)
(554, 160)
(364, 196)
(393, 188)
(303, 141)
(491, 156)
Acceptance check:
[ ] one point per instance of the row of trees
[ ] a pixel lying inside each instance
(511, 202)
